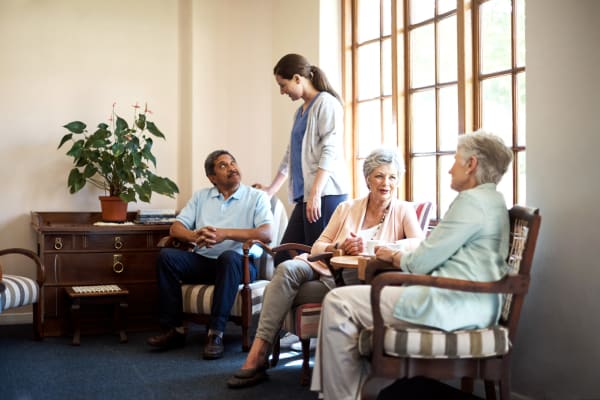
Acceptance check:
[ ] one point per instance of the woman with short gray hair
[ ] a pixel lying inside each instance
(379, 216)
(493, 156)
(383, 156)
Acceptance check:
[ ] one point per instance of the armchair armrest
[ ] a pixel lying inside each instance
(373, 267)
(293, 248)
(515, 284)
(326, 257)
(40, 269)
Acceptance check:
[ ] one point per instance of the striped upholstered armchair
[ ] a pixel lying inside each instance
(18, 291)
(197, 298)
(466, 354)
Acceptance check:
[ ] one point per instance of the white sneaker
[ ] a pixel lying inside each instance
(288, 339)
(298, 345)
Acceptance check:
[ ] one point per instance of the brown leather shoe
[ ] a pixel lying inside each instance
(214, 348)
(170, 339)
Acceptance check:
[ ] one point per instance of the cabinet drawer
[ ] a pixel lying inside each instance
(100, 268)
(102, 241)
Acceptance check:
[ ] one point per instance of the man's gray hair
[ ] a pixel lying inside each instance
(493, 157)
(383, 156)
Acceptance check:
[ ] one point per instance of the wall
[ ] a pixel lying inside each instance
(64, 60)
(557, 348)
(204, 67)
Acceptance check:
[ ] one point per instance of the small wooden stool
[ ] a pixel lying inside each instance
(101, 294)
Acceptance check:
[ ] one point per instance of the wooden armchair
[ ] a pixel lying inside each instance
(465, 354)
(197, 298)
(18, 291)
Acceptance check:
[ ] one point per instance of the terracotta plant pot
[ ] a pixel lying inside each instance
(113, 209)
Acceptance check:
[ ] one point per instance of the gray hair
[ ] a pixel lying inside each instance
(383, 156)
(493, 157)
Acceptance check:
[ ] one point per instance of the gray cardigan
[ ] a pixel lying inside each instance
(322, 147)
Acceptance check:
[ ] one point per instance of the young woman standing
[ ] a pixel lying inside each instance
(313, 161)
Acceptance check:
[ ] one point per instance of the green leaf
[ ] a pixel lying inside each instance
(76, 149)
(89, 171)
(144, 191)
(65, 138)
(101, 133)
(75, 127)
(141, 122)
(103, 126)
(154, 130)
(163, 186)
(121, 126)
(127, 195)
(75, 181)
(118, 149)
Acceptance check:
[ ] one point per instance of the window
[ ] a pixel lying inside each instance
(417, 73)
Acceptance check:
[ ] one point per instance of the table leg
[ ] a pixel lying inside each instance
(122, 316)
(75, 311)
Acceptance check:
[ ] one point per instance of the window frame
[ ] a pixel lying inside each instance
(468, 83)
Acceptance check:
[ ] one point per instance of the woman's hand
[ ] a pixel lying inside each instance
(353, 245)
(313, 209)
(388, 255)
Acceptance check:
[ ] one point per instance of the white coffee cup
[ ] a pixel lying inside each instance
(403, 245)
(395, 246)
(370, 250)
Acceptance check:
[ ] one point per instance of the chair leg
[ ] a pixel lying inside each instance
(466, 385)
(38, 326)
(490, 390)
(305, 375)
(245, 340)
(276, 351)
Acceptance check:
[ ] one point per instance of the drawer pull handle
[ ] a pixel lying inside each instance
(118, 266)
(118, 243)
(58, 244)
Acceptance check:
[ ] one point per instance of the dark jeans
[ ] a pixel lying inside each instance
(176, 267)
(299, 230)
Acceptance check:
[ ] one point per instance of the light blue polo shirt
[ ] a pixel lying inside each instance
(247, 208)
(470, 242)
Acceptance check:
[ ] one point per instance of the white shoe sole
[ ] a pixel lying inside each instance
(298, 345)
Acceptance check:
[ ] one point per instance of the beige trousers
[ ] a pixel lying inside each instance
(339, 371)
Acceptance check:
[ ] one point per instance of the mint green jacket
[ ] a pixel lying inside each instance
(471, 242)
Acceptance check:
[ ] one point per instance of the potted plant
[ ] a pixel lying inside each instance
(117, 159)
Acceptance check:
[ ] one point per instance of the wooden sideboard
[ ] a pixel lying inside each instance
(77, 252)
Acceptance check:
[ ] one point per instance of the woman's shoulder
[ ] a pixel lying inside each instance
(326, 99)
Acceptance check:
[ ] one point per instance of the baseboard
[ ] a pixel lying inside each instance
(517, 396)
(16, 318)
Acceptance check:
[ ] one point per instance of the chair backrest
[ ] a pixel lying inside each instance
(280, 220)
(266, 265)
(524, 228)
(423, 211)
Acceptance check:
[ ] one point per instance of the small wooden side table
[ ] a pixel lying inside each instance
(351, 262)
(102, 294)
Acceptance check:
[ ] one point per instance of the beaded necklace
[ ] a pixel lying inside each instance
(385, 212)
